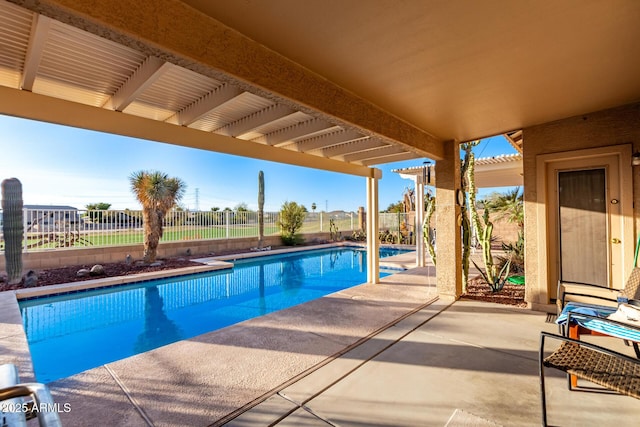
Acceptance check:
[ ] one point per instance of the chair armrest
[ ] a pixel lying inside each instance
(586, 291)
(46, 409)
(14, 391)
(612, 327)
(631, 326)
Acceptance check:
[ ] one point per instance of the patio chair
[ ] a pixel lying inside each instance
(22, 402)
(612, 370)
(598, 295)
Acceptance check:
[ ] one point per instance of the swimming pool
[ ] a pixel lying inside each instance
(71, 333)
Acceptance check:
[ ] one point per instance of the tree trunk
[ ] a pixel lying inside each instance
(151, 235)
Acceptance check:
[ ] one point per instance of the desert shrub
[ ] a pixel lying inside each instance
(290, 222)
(515, 253)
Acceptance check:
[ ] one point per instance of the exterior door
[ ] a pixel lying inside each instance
(586, 221)
(584, 226)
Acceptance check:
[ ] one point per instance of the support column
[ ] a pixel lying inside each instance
(419, 219)
(373, 245)
(448, 223)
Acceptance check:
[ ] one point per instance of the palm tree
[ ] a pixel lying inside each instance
(508, 205)
(157, 193)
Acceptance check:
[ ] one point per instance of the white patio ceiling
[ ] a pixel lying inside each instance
(50, 58)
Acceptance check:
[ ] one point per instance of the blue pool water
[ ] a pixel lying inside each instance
(71, 333)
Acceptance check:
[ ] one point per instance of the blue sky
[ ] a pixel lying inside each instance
(59, 165)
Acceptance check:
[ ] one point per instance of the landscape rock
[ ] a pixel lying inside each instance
(83, 272)
(97, 270)
(68, 274)
(156, 264)
(31, 279)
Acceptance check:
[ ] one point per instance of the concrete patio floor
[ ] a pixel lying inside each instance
(463, 363)
(392, 354)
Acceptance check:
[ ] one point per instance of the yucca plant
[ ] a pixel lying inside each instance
(157, 193)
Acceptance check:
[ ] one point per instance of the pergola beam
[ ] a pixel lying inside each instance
(376, 153)
(352, 147)
(208, 103)
(254, 121)
(20, 103)
(294, 132)
(390, 158)
(515, 139)
(145, 75)
(327, 140)
(37, 40)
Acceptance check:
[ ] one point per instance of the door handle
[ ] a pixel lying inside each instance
(615, 240)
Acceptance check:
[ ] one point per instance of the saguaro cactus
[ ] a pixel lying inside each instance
(260, 209)
(12, 228)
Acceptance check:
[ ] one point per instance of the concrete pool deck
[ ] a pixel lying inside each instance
(204, 379)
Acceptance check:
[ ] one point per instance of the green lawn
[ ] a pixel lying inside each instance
(136, 236)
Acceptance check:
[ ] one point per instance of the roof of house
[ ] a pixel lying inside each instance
(51, 207)
(498, 171)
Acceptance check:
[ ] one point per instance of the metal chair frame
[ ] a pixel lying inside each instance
(582, 370)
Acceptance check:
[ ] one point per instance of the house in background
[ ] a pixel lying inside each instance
(51, 217)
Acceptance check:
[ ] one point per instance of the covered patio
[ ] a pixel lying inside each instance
(346, 86)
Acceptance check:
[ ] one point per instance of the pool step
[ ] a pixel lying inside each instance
(390, 270)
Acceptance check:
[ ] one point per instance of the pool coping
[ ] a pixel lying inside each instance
(212, 263)
(66, 288)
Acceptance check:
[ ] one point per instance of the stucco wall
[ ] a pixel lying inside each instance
(604, 128)
(503, 230)
(65, 257)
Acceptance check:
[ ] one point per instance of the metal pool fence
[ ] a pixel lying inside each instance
(51, 228)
